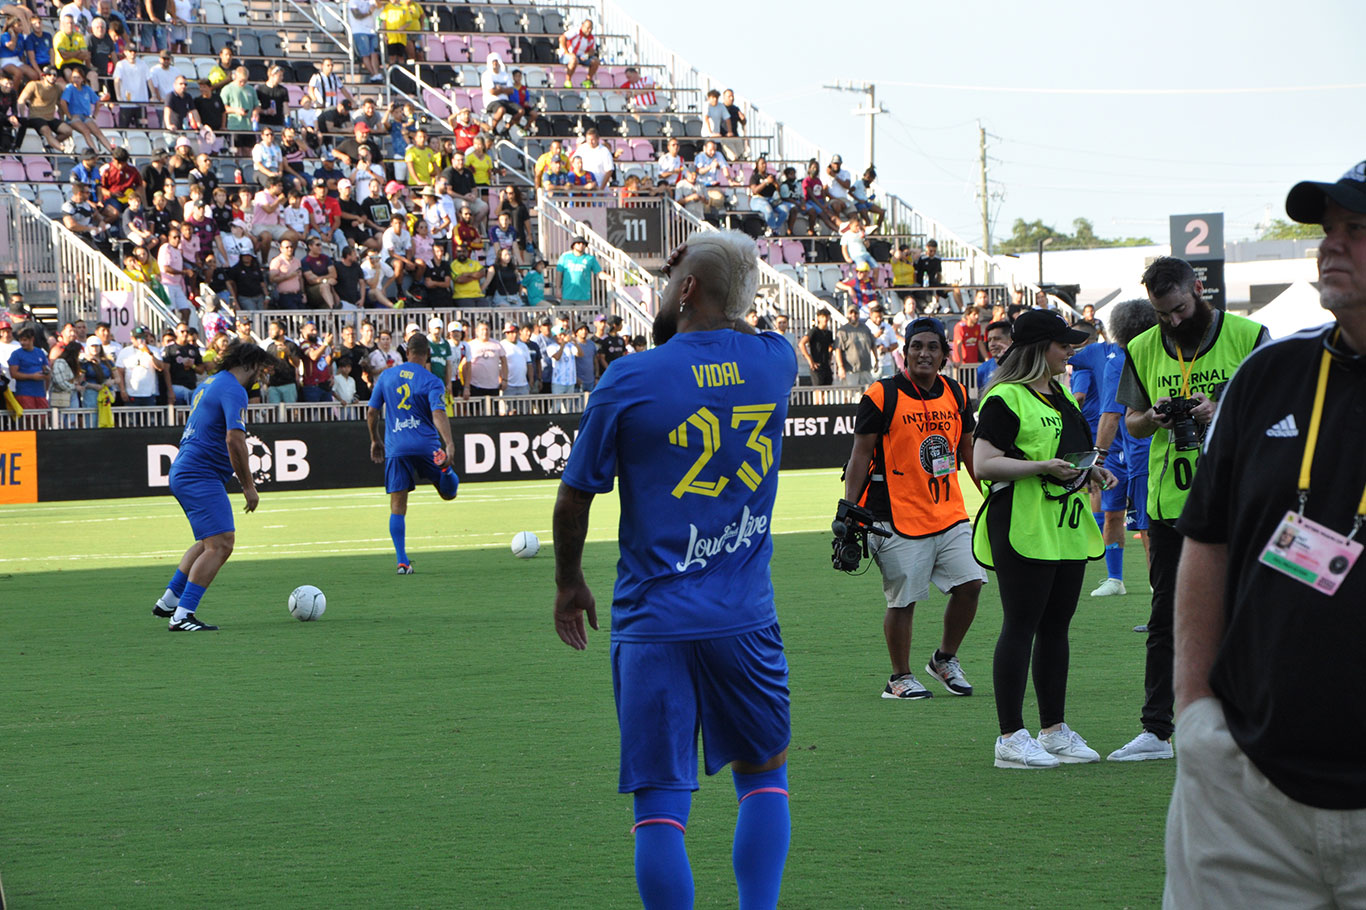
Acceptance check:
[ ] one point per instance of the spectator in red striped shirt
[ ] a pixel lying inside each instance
(642, 89)
(579, 47)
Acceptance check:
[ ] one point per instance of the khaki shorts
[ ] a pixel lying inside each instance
(1235, 841)
(909, 565)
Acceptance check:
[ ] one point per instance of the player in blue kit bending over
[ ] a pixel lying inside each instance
(416, 444)
(212, 449)
(694, 430)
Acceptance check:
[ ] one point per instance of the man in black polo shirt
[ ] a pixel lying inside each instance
(184, 363)
(349, 278)
(612, 345)
(1269, 807)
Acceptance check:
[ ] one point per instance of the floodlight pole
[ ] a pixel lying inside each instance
(870, 110)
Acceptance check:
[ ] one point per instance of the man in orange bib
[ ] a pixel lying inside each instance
(904, 469)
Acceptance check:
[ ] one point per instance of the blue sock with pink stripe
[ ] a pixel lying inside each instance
(663, 875)
(762, 832)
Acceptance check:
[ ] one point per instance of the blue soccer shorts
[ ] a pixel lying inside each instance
(402, 472)
(733, 690)
(1116, 499)
(205, 503)
(1138, 502)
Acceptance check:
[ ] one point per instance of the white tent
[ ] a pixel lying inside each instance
(1295, 308)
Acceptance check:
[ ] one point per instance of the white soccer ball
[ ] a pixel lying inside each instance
(307, 603)
(525, 545)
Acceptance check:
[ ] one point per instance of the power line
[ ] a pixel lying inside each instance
(1022, 90)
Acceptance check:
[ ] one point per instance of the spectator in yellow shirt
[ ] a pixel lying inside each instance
(421, 160)
(480, 161)
(543, 162)
(416, 23)
(70, 48)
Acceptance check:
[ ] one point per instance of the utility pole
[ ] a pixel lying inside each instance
(871, 110)
(982, 187)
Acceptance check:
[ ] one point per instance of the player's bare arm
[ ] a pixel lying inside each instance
(376, 440)
(572, 597)
(241, 466)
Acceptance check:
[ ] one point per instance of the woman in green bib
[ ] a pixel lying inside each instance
(1036, 531)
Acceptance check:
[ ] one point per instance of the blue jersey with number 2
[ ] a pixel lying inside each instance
(219, 405)
(694, 429)
(409, 393)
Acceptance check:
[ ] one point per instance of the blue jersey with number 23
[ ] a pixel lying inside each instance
(409, 393)
(694, 429)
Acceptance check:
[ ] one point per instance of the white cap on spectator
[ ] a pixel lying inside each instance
(238, 222)
(411, 327)
(343, 183)
(435, 322)
(95, 340)
(455, 325)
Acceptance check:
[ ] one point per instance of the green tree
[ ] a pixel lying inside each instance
(1025, 237)
(1280, 229)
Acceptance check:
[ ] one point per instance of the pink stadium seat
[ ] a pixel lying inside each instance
(500, 46)
(12, 171)
(104, 118)
(457, 48)
(611, 76)
(642, 150)
(436, 49)
(479, 49)
(295, 93)
(154, 118)
(39, 170)
(745, 169)
(438, 104)
(761, 244)
(477, 100)
(793, 253)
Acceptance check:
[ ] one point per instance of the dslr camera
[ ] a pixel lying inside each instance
(851, 527)
(1185, 434)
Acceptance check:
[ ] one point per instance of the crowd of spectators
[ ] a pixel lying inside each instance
(79, 368)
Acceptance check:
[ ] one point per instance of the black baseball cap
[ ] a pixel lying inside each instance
(1305, 202)
(1033, 326)
(927, 324)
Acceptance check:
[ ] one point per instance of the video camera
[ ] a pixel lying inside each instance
(1184, 433)
(851, 527)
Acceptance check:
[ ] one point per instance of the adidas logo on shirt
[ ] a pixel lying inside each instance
(1284, 428)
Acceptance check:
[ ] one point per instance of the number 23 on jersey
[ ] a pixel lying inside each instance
(704, 428)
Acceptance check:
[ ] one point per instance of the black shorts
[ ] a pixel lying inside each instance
(507, 107)
(475, 391)
(397, 50)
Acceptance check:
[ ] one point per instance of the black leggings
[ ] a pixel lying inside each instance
(1037, 603)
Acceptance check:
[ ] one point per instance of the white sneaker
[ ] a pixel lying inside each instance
(1020, 750)
(1067, 747)
(1143, 747)
(1109, 588)
(905, 687)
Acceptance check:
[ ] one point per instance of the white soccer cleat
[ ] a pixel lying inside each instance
(1020, 750)
(1143, 747)
(1067, 747)
(1109, 588)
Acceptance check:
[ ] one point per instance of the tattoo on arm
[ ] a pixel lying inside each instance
(570, 529)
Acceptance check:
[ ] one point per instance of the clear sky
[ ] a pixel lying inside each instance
(1122, 154)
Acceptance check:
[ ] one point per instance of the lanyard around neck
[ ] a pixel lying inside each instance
(1311, 443)
(1186, 370)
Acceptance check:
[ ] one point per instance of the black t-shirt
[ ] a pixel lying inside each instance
(154, 179)
(353, 229)
(348, 280)
(1289, 662)
(273, 101)
(180, 106)
(182, 375)
(869, 420)
(159, 219)
(209, 182)
(211, 111)
(219, 279)
(282, 371)
(612, 347)
(334, 121)
(819, 343)
(351, 149)
(438, 297)
(380, 212)
(929, 270)
(102, 51)
(357, 354)
(250, 281)
(766, 190)
(222, 217)
(461, 180)
(999, 425)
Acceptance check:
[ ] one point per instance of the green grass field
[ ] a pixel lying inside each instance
(431, 743)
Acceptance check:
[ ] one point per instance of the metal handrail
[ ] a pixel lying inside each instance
(336, 14)
(394, 321)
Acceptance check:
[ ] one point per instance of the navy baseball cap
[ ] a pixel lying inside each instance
(1044, 325)
(1306, 200)
(927, 324)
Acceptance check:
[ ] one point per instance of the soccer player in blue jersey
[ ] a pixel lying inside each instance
(1088, 368)
(694, 430)
(212, 449)
(416, 444)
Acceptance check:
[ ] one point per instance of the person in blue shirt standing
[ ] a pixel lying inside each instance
(693, 428)
(417, 443)
(212, 449)
(1088, 366)
(1126, 457)
(577, 269)
(998, 342)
